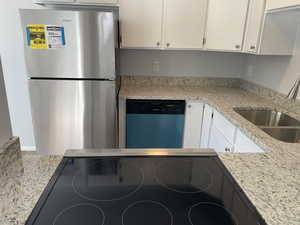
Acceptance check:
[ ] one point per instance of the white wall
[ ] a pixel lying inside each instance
(11, 50)
(276, 72)
(182, 63)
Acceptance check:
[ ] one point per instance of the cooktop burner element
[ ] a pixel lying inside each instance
(86, 214)
(147, 213)
(207, 213)
(176, 176)
(107, 181)
(143, 190)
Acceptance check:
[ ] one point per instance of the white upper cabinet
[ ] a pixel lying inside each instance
(54, 1)
(279, 34)
(254, 24)
(268, 33)
(141, 23)
(184, 23)
(277, 4)
(79, 2)
(162, 24)
(213, 25)
(226, 24)
(98, 1)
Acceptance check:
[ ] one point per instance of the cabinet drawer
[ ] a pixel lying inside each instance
(245, 144)
(224, 126)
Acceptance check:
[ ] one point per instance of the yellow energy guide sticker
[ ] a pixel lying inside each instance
(36, 36)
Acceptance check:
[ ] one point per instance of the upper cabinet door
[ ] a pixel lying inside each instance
(141, 23)
(185, 23)
(254, 24)
(98, 1)
(226, 24)
(54, 1)
(277, 4)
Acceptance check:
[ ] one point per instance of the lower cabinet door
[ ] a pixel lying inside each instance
(218, 142)
(193, 124)
(206, 126)
(244, 144)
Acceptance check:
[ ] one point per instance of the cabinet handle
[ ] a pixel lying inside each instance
(238, 46)
(189, 106)
(252, 47)
(158, 43)
(168, 44)
(227, 149)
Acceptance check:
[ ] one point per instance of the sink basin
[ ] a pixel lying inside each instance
(290, 135)
(277, 124)
(268, 117)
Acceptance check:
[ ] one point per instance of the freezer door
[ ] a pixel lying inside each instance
(70, 114)
(69, 44)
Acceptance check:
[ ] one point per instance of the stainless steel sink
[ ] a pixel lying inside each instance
(290, 135)
(277, 124)
(268, 117)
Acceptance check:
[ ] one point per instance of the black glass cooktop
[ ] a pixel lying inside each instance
(143, 191)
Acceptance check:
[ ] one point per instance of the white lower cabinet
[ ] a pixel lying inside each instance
(244, 144)
(218, 141)
(206, 125)
(225, 126)
(223, 136)
(193, 124)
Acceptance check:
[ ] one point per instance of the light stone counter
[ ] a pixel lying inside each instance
(22, 182)
(271, 180)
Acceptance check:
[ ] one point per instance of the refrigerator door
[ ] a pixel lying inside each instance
(69, 44)
(69, 114)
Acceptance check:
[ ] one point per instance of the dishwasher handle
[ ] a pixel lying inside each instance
(155, 107)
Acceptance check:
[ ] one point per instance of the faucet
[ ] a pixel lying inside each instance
(294, 90)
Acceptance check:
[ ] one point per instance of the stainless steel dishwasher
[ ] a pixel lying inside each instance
(154, 123)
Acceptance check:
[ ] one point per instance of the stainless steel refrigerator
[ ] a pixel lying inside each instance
(71, 59)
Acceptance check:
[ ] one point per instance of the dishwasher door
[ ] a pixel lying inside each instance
(154, 123)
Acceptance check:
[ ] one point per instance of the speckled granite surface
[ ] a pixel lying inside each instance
(23, 181)
(9, 152)
(271, 180)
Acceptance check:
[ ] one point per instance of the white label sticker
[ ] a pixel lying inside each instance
(55, 36)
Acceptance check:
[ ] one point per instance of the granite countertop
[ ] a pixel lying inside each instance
(22, 183)
(271, 180)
